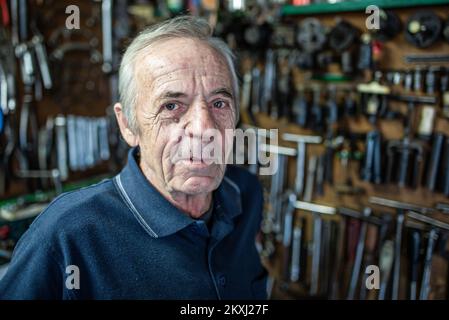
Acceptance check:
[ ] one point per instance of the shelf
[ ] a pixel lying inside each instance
(42, 196)
(347, 6)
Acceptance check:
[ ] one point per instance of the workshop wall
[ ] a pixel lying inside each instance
(78, 86)
(389, 56)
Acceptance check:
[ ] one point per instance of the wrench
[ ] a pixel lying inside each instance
(106, 23)
(61, 146)
(425, 284)
(359, 255)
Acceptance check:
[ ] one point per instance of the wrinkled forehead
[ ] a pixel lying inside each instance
(179, 56)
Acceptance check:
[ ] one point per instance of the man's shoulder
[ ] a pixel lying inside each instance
(76, 207)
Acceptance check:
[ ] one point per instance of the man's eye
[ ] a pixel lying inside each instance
(219, 104)
(170, 106)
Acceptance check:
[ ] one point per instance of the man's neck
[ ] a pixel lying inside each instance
(193, 205)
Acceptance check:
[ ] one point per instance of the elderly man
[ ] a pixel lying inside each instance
(169, 226)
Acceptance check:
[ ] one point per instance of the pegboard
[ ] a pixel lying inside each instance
(392, 57)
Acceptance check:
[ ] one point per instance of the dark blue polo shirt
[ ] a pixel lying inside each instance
(128, 242)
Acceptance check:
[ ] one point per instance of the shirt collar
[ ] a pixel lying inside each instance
(155, 213)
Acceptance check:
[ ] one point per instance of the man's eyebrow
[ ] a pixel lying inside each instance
(224, 91)
(172, 94)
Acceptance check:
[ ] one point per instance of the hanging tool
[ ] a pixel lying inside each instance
(28, 125)
(397, 257)
(426, 58)
(442, 207)
(342, 35)
(332, 106)
(8, 103)
(436, 226)
(283, 36)
(370, 222)
(41, 57)
(365, 61)
(386, 258)
(319, 187)
(272, 221)
(339, 259)
(257, 34)
(423, 28)
(246, 110)
(414, 263)
(311, 36)
(61, 146)
(300, 107)
(268, 81)
(358, 257)
(328, 238)
(316, 211)
(310, 183)
(284, 85)
(302, 141)
(287, 238)
(316, 110)
(372, 167)
(426, 122)
(431, 80)
(425, 283)
(276, 198)
(389, 25)
(402, 152)
(342, 38)
(374, 94)
(292, 242)
(428, 220)
(316, 254)
(255, 90)
(400, 205)
(368, 259)
(297, 264)
(434, 161)
(106, 23)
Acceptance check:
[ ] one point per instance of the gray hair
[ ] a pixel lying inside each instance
(178, 27)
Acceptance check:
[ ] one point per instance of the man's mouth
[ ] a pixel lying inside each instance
(196, 160)
(201, 161)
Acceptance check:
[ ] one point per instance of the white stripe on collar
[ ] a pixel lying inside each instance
(233, 184)
(132, 208)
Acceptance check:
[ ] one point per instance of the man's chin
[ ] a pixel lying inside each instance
(193, 181)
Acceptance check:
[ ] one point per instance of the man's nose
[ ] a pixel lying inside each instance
(200, 119)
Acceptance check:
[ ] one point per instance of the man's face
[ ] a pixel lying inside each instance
(184, 91)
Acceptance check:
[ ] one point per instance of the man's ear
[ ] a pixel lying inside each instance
(127, 133)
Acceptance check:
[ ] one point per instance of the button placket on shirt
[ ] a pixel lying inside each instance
(200, 228)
